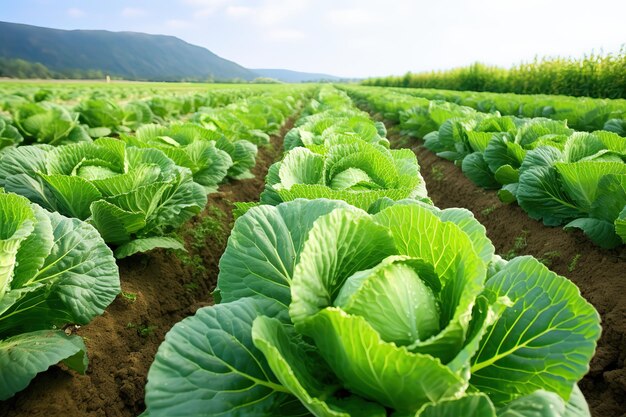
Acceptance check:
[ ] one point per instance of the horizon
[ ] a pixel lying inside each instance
(281, 34)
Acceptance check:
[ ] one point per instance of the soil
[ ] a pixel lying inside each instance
(160, 288)
(600, 274)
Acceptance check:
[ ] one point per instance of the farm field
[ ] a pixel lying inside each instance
(309, 249)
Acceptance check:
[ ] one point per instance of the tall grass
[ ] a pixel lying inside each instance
(594, 75)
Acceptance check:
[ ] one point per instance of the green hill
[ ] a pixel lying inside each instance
(130, 55)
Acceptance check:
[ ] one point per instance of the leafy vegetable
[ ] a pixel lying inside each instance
(127, 193)
(49, 123)
(190, 146)
(553, 172)
(9, 136)
(356, 314)
(54, 271)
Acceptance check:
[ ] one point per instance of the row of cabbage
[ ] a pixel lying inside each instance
(37, 119)
(582, 113)
(558, 175)
(137, 188)
(395, 308)
(56, 269)
(121, 92)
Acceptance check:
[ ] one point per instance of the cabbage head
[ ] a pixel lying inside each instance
(329, 311)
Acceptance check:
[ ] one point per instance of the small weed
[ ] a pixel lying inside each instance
(145, 331)
(437, 172)
(519, 244)
(130, 296)
(573, 263)
(191, 286)
(209, 226)
(142, 330)
(487, 211)
(193, 262)
(549, 257)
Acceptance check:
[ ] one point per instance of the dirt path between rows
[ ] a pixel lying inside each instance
(600, 274)
(161, 288)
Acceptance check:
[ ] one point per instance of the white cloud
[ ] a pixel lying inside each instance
(75, 12)
(205, 3)
(178, 24)
(353, 17)
(205, 8)
(285, 35)
(238, 11)
(273, 12)
(130, 12)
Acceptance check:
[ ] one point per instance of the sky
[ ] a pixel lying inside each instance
(352, 38)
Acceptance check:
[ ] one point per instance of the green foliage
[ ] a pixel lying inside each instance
(20, 68)
(488, 210)
(130, 296)
(209, 226)
(48, 123)
(550, 256)
(594, 75)
(190, 146)
(436, 171)
(254, 119)
(9, 135)
(133, 196)
(557, 175)
(519, 244)
(337, 152)
(54, 271)
(334, 312)
(571, 267)
(326, 310)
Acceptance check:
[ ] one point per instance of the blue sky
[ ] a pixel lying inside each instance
(353, 38)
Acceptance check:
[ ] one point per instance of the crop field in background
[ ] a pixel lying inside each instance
(594, 75)
(171, 249)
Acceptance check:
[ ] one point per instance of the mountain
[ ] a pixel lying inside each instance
(288, 76)
(130, 55)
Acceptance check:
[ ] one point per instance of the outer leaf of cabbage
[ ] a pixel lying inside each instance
(501, 151)
(77, 281)
(581, 179)
(611, 197)
(147, 244)
(601, 232)
(541, 195)
(62, 272)
(243, 154)
(23, 356)
(620, 225)
(17, 222)
(208, 362)
(545, 341)
(265, 246)
(477, 170)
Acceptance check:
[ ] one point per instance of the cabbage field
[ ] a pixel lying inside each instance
(310, 250)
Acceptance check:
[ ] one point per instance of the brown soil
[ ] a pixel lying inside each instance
(600, 274)
(122, 342)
